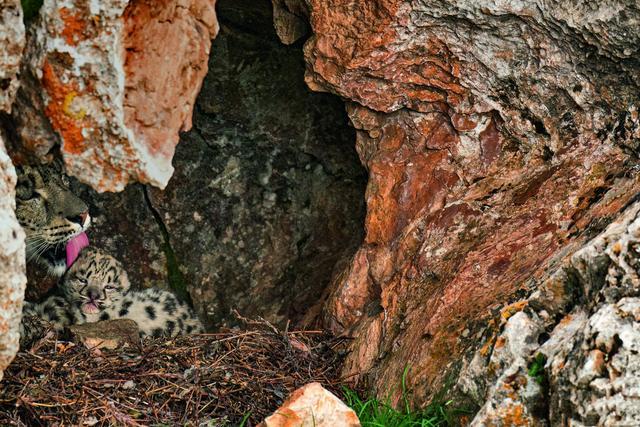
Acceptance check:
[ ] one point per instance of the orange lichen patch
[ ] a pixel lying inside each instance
(74, 26)
(617, 248)
(512, 309)
(514, 415)
(500, 342)
(65, 124)
(488, 346)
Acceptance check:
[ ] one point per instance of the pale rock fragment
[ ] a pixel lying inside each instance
(312, 406)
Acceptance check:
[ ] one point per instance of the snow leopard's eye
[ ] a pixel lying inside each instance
(110, 288)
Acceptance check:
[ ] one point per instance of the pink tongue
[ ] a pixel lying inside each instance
(74, 246)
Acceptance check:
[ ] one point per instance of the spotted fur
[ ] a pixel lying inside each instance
(98, 288)
(49, 213)
(52, 313)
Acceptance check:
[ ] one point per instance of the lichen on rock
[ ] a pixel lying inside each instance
(112, 95)
(590, 355)
(12, 245)
(12, 258)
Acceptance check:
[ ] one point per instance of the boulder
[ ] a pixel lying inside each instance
(113, 82)
(573, 356)
(12, 245)
(290, 20)
(106, 334)
(267, 192)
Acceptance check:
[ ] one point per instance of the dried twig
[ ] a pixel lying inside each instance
(193, 379)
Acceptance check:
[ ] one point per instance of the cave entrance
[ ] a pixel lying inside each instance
(268, 192)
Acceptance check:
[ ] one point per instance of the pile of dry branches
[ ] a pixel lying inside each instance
(212, 380)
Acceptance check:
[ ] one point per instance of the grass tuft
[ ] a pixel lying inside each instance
(375, 413)
(536, 369)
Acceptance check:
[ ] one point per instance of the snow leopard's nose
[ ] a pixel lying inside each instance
(93, 293)
(80, 218)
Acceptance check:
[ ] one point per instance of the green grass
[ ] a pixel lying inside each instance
(536, 369)
(30, 8)
(375, 413)
(244, 419)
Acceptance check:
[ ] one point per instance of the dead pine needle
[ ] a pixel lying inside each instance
(211, 379)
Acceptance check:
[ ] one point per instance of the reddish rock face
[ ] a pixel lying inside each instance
(488, 163)
(163, 80)
(114, 82)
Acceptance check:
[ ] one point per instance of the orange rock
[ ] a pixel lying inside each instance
(312, 406)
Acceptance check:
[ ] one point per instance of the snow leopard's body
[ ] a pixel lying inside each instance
(96, 287)
(54, 312)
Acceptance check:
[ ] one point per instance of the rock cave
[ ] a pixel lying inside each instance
(267, 194)
(433, 204)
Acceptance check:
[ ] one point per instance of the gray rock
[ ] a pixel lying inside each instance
(267, 193)
(268, 190)
(123, 224)
(107, 334)
(12, 273)
(592, 354)
(11, 46)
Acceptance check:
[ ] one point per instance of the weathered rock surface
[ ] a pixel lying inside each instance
(499, 137)
(11, 46)
(312, 406)
(114, 82)
(12, 246)
(12, 260)
(267, 193)
(582, 326)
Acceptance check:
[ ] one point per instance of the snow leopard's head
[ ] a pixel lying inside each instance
(49, 213)
(95, 281)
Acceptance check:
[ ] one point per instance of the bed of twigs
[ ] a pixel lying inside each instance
(212, 380)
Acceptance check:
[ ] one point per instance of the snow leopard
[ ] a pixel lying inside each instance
(37, 318)
(96, 287)
(49, 213)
